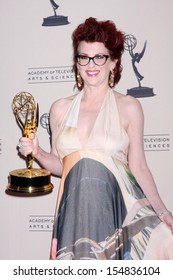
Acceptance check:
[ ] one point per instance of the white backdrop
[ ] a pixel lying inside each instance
(38, 59)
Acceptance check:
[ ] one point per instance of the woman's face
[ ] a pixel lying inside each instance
(92, 74)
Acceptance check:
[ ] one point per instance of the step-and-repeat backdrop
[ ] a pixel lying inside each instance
(36, 57)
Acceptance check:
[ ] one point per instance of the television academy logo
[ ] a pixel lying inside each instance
(57, 74)
(130, 45)
(157, 142)
(42, 223)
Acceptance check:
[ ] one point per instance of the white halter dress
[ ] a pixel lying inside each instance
(102, 212)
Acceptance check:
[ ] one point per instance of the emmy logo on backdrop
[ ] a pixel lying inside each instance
(55, 20)
(28, 181)
(44, 121)
(140, 91)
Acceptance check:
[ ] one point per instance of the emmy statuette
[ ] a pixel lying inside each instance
(28, 181)
(130, 45)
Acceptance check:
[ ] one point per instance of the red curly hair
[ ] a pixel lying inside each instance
(100, 31)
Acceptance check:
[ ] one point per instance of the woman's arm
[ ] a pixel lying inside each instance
(137, 161)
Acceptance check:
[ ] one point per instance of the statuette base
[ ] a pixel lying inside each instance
(29, 182)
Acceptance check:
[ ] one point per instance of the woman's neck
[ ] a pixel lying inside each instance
(94, 93)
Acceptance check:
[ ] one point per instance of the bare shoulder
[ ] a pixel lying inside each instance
(127, 103)
(130, 110)
(59, 108)
(61, 105)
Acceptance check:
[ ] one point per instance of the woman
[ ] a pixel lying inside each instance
(103, 211)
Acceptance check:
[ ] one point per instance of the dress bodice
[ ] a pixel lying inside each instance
(107, 135)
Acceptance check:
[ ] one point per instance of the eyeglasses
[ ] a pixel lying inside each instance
(99, 59)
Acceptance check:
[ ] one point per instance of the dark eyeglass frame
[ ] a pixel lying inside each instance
(92, 58)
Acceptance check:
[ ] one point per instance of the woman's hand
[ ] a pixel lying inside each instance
(167, 218)
(28, 145)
